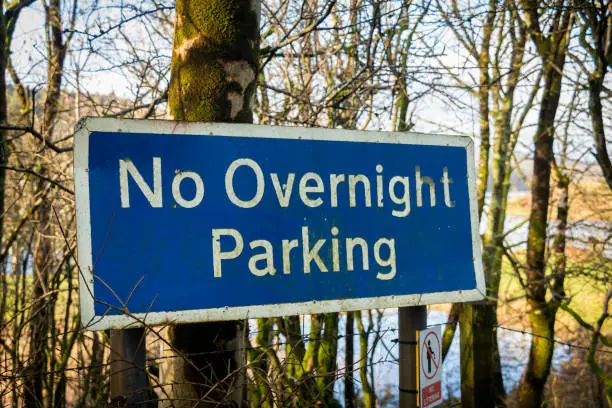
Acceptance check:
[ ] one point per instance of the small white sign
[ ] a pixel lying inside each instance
(430, 363)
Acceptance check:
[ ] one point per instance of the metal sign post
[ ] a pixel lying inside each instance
(129, 386)
(411, 320)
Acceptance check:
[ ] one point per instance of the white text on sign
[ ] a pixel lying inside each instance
(313, 190)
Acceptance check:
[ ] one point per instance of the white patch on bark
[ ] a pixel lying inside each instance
(183, 49)
(241, 73)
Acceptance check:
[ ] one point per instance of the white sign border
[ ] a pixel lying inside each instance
(85, 261)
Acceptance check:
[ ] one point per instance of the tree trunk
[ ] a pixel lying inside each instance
(4, 151)
(595, 109)
(483, 106)
(93, 392)
(260, 391)
(369, 394)
(478, 351)
(349, 388)
(478, 341)
(214, 61)
(40, 313)
(213, 77)
(327, 356)
(487, 390)
(307, 387)
(541, 314)
(294, 349)
(451, 328)
(536, 373)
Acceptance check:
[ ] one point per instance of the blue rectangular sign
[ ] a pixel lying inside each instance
(197, 222)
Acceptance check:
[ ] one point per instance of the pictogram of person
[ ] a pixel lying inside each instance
(430, 355)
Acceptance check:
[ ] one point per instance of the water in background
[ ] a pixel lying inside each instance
(513, 348)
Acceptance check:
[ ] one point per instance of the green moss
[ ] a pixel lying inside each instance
(216, 18)
(537, 234)
(208, 35)
(224, 26)
(197, 91)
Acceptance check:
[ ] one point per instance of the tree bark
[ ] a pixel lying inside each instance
(213, 77)
(349, 390)
(596, 39)
(260, 391)
(307, 386)
(489, 390)
(451, 328)
(479, 351)
(369, 394)
(542, 314)
(40, 313)
(327, 356)
(601, 147)
(4, 151)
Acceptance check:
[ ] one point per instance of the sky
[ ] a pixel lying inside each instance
(100, 71)
(105, 72)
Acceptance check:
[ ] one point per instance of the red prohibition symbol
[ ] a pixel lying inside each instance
(430, 355)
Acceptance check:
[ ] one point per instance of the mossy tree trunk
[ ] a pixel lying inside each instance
(451, 327)
(349, 387)
(260, 392)
(307, 387)
(301, 360)
(482, 383)
(480, 366)
(596, 112)
(503, 97)
(596, 39)
(295, 350)
(459, 311)
(327, 356)
(213, 77)
(367, 387)
(552, 47)
(477, 337)
(4, 152)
